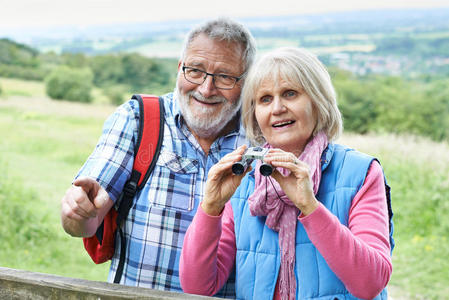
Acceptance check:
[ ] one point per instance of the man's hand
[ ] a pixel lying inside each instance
(83, 207)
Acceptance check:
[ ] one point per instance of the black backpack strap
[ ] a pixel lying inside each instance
(151, 132)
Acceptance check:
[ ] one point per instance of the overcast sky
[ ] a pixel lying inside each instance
(25, 13)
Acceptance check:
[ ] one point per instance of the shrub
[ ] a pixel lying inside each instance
(116, 93)
(70, 84)
(392, 104)
(27, 73)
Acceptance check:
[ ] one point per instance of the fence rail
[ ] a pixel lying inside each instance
(19, 284)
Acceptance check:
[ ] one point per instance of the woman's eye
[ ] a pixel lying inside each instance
(290, 94)
(265, 99)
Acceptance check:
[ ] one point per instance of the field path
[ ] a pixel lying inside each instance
(47, 106)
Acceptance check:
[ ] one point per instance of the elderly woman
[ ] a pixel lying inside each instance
(320, 226)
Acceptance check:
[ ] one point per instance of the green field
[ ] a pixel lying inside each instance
(43, 145)
(45, 142)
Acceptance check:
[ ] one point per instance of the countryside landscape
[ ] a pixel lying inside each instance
(390, 69)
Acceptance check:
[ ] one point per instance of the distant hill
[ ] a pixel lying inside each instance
(405, 42)
(13, 53)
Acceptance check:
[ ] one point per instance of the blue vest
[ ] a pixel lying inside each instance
(258, 255)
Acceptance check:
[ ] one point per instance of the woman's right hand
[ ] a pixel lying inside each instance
(221, 182)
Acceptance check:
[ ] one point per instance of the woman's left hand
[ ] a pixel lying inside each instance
(297, 185)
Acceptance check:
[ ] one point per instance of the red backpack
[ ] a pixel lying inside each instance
(101, 246)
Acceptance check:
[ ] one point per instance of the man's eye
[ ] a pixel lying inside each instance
(226, 79)
(195, 72)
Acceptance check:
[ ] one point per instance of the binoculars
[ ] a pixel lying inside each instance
(251, 154)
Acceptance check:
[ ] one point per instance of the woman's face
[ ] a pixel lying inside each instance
(285, 114)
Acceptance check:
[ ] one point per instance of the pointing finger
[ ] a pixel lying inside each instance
(89, 185)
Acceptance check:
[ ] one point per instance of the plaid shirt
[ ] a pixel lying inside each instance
(165, 207)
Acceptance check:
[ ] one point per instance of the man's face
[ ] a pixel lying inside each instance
(205, 108)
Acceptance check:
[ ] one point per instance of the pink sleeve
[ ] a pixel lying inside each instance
(360, 253)
(208, 252)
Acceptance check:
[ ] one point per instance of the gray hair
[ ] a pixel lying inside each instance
(224, 29)
(303, 70)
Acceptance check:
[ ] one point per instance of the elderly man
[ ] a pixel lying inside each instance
(201, 126)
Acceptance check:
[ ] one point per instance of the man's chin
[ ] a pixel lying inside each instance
(206, 114)
(206, 120)
(209, 123)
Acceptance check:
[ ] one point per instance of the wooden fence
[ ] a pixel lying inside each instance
(18, 284)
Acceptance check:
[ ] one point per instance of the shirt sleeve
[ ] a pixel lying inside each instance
(208, 253)
(112, 160)
(360, 253)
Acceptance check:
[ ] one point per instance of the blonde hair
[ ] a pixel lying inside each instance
(303, 70)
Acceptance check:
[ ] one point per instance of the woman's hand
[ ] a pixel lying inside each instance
(297, 185)
(221, 182)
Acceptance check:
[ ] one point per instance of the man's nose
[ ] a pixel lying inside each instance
(207, 88)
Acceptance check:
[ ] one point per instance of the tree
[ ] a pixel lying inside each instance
(107, 69)
(70, 84)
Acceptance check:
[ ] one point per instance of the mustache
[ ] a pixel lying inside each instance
(213, 99)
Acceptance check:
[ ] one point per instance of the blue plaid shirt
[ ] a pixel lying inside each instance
(165, 207)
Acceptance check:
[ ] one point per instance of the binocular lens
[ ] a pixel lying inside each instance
(266, 169)
(238, 168)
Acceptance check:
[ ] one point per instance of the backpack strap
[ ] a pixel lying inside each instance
(147, 149)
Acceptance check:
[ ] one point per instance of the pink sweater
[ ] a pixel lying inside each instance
(358, 254)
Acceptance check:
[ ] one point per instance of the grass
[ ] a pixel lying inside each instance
(416, 169)
(16, 87)
(43, 145)
(27, 88)
(45, 142)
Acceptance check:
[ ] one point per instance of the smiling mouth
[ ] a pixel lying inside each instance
(206, 102)
(283, 123)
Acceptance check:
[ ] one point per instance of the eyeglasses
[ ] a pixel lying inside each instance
(221, 81)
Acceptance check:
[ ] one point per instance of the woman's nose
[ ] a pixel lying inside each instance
(278, 106)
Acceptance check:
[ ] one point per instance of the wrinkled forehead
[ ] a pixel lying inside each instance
(224, 55)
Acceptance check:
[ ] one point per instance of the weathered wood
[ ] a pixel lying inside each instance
(19, 284)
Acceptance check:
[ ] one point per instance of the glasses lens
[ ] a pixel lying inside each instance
(224, 81)
(194, 75)
(221, 81)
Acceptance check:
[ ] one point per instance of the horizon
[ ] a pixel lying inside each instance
(44, 15)
(29, 35)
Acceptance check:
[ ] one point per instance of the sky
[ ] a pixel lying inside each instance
(15, 14)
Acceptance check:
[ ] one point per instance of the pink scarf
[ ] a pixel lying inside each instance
(282, 214)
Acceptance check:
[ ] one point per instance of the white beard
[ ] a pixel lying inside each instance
(206, 122)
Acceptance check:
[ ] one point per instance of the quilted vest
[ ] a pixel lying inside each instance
(258, 255)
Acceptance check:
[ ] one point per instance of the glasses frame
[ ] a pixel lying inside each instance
(184, 67)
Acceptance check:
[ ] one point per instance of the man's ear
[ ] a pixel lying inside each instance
(179, 64)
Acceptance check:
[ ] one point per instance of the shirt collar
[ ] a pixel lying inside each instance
(176, 110)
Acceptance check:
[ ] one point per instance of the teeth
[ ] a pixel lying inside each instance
(282, 124)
